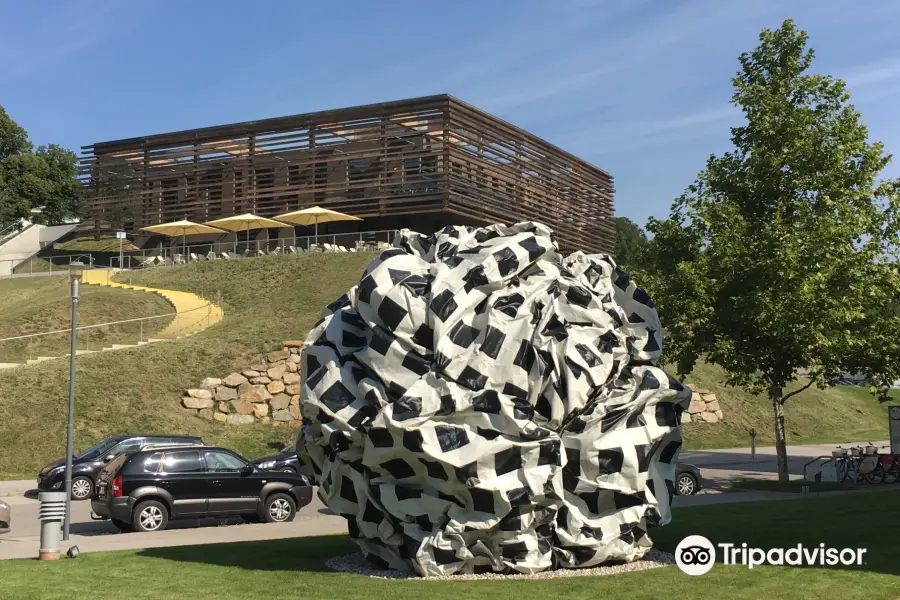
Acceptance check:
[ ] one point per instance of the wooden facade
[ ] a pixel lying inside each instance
(420, 163)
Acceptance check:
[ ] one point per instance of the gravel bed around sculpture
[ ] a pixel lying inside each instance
(357, 564)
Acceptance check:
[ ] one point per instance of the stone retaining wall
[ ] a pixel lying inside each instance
(269, 392)
(265, 392)
(704, 407)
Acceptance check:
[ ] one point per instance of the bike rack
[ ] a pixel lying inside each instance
(816, 459)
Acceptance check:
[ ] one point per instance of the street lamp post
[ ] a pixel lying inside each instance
(76, 271)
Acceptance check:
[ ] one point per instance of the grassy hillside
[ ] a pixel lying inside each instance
(91, 244)
(41, 304)
(838, 414)
(267, 300)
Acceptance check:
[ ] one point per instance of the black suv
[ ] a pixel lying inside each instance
(87, 465)
(141, 491)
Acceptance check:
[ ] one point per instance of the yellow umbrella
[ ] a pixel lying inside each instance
(314, 216)
(182, 228)
(247, 221)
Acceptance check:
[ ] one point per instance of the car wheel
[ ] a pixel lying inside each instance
(123, 526)
(686, 485)
(82, 488)
(279, 508)
(150, 516)
(288, 470)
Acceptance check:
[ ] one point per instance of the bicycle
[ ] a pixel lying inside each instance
(870, 466)
(846, 464)
(892, 470)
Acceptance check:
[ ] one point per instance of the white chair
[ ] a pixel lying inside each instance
(148, 261)
(176, 259)
(293, 249)
(226, 256)
(194, 257)
(211, 256)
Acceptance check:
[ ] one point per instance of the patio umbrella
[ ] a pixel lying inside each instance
(245, 222)
(314, 216)
(182, 228)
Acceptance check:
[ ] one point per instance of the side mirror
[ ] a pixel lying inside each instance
(247, 470)
(108, 457)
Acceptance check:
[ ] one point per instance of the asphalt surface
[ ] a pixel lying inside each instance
(717, 467)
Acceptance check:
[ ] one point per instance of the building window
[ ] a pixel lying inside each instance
(356, 175)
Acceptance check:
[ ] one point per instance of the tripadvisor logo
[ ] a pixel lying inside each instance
(695, 555)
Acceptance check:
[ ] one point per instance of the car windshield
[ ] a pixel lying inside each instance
(290, 449)
(98, 449)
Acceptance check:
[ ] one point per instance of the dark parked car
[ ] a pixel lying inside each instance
(5, 517)
(87, 465)
(286, 461)
(142, 491)
(687, 479)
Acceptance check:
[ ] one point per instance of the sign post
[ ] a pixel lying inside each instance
(894, 428)
(121, 236)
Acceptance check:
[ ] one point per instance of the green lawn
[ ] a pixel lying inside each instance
(41, 304)
(295, 568)
(91, 244)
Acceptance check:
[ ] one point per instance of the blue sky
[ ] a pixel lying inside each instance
(640, 88)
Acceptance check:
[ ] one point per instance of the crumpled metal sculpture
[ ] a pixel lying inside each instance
(478, 403)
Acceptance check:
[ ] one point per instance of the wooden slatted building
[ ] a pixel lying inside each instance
(420, 163)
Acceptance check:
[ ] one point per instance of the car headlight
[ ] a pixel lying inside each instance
(267, 464)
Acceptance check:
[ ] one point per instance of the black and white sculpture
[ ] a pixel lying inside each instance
(479, 403)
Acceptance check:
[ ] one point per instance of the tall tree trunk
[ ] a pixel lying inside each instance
(780, 443)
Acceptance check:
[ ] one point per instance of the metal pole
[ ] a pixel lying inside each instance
(752, 444)
(121, 259)
(70, 431)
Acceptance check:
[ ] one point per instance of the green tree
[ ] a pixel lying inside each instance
(13, 139)
(782, 255)
(45, 179)
(630, 243)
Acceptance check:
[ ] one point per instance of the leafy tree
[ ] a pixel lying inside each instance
(13, 139)
(46, 178)
(782, 255)
(630, 243)
(62, 190)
